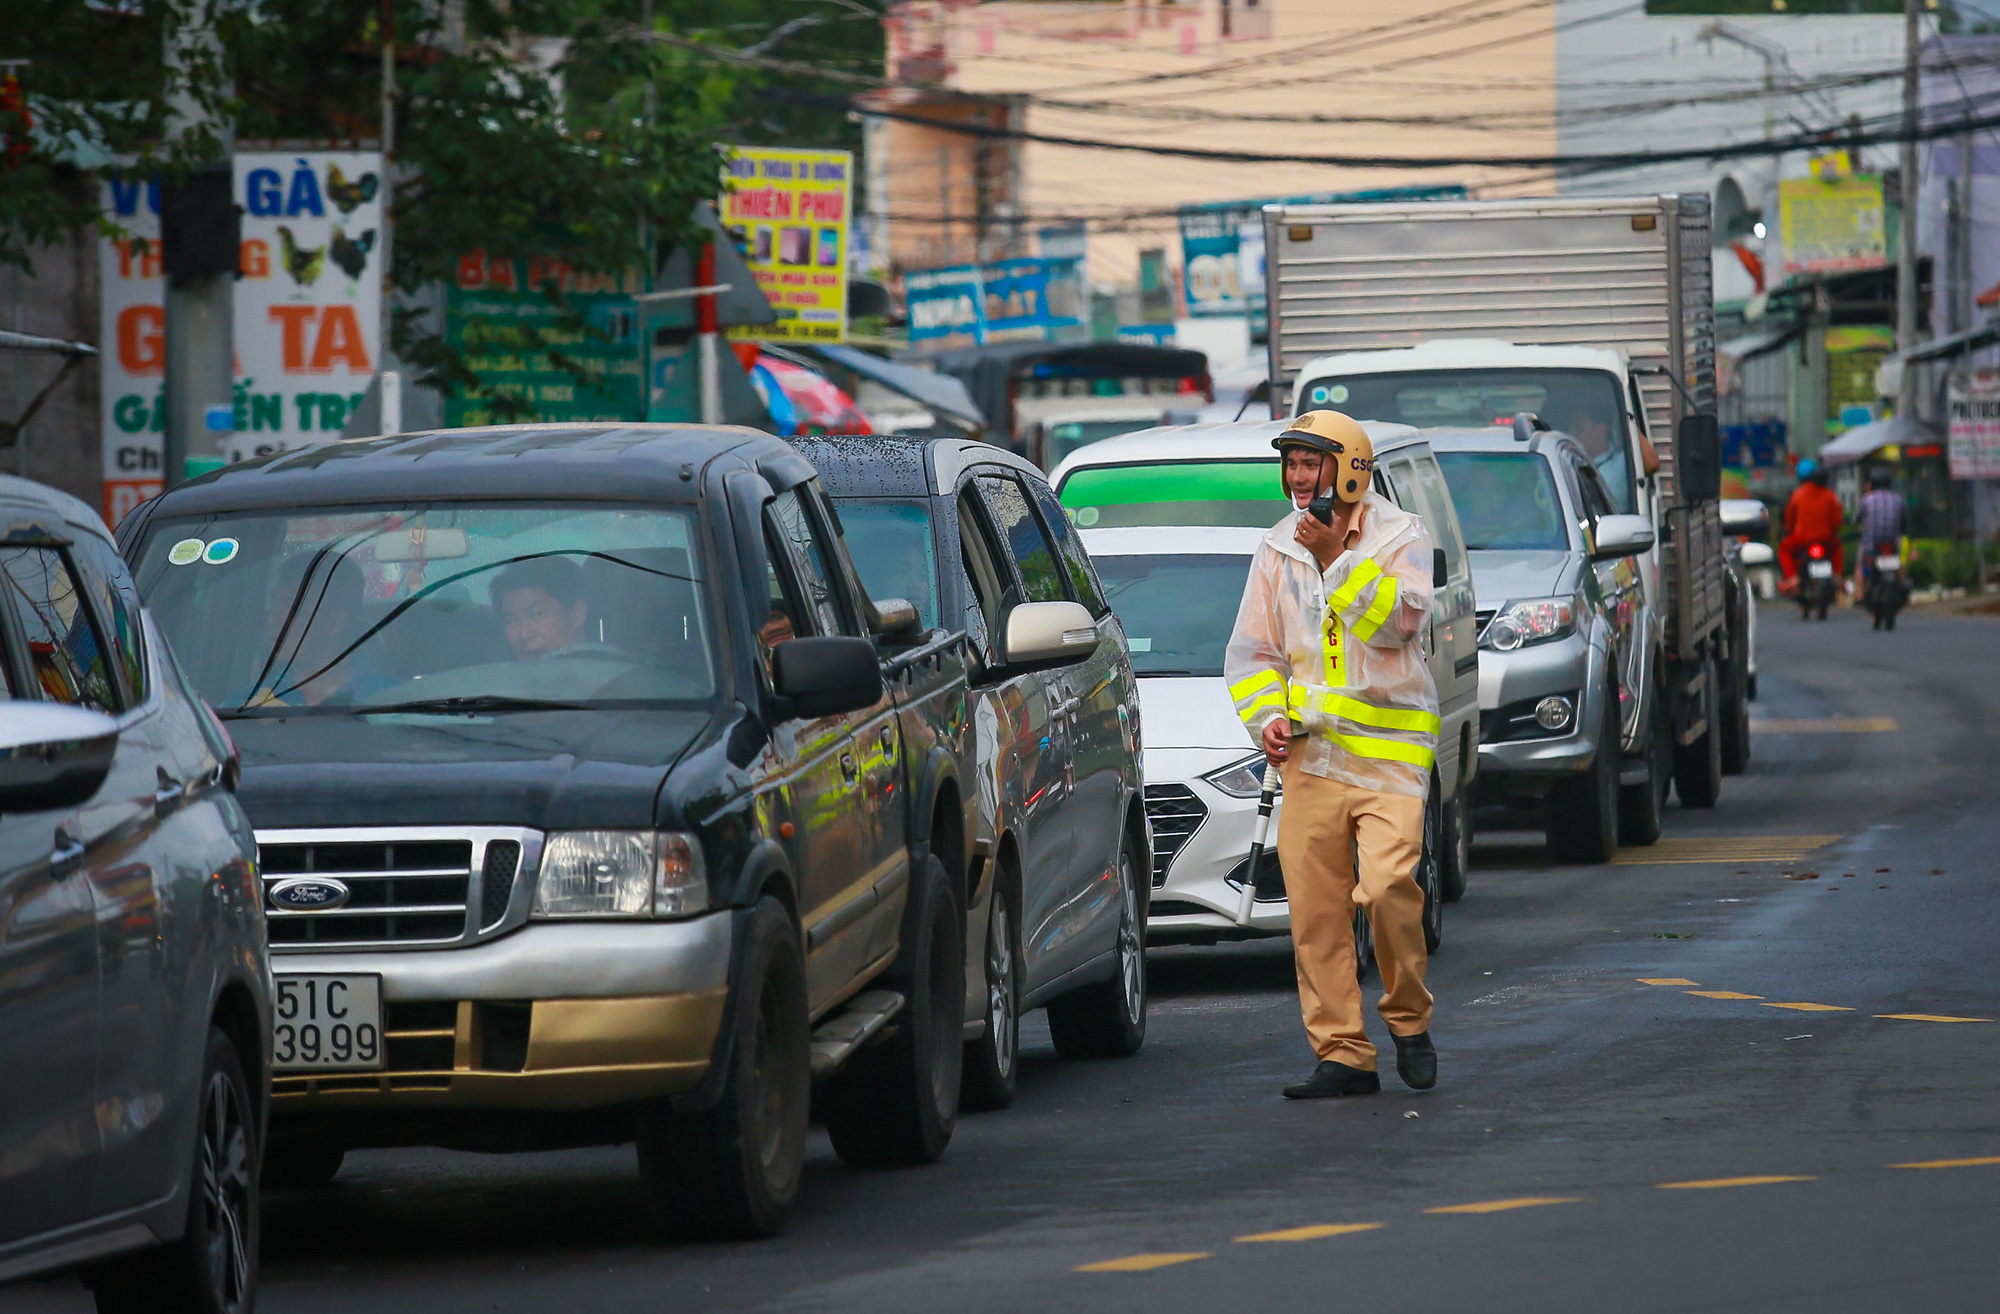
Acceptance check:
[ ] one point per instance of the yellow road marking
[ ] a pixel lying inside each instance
(1714, 1182)
(1951, 1163)
(1311, 1233)
(1722, 994)
(1931, 1017)
(1495, 1206)
(1833, 725)
(1666, 980)
(1812, 1008)
(1722, 849)
(1141, 1263)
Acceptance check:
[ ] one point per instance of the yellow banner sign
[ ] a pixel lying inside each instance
(788, 211)
(1834, 226)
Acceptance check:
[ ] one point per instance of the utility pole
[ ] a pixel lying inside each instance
(198, 242)
(389, 385)
(1906, 255)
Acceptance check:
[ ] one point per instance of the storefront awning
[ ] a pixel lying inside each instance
(1864, 440)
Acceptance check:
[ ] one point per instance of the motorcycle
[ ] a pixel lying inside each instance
(1887, 589)
(1816, 581)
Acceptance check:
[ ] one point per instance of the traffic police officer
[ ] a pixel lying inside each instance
(1327, 669)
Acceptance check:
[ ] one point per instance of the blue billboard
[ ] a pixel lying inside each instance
(1031, 299)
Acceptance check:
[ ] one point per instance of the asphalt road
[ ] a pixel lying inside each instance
(1665, 1086)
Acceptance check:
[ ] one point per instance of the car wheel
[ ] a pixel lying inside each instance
(212, 1268)
(1735, 747)
(897, 1101)
(1457, 864)
(292, 1165)
(1429, 871)
(1698, 766)
(1640, 806)
(991, 1061)
(732, 1172)
(1583, 810)
(1108, 1019)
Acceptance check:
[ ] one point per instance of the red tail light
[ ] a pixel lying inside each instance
(1816, 551)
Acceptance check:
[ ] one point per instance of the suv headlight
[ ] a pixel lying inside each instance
(620, 873)
(1243, 780)
(1534, 621)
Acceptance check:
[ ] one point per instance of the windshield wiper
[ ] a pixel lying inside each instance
(470, 703)
(1165, 670)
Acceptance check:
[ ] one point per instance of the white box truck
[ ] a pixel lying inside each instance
(1596, 316)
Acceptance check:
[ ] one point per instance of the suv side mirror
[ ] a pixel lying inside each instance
(1440, 569)
(1698, 459)
(826, 676)
(53, 756)
(1621, 536)
(1044, 635)
(896, 620)
(1745, 517)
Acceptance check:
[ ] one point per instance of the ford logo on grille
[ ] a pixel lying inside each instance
(310, 894)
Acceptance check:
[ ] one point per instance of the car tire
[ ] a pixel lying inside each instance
(212, 1268)
(896, 1102)
(1457, 863)
(732, 1172)
(297, 1165)
(1641, 806)
(1735, 747)
(1108, 1018)
(1698, 766)
(992, 1062)
(1430, 871)
(1583, 810)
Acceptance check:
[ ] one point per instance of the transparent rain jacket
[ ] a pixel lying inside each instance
(1341, 652)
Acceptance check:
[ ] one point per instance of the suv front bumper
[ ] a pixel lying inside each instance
(555, 1016)
(1518, 767)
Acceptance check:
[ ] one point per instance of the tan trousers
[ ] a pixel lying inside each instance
(1323, 825)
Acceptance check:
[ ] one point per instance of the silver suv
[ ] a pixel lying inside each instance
(1562, 633)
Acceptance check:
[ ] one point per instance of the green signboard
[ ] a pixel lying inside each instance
(514, 337)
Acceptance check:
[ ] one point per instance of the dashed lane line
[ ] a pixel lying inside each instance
(1720, 849)
(1314, 1232)
(1830, 725)
(1497, 1206)
(1811, 1008)
(1723, 994)
(1952, 1163)
(1144, 1263)
(1931, 1017)
(1666, 980)
(1799, 1007)
(1714, 1183)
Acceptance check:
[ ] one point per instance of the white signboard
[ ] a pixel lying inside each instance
(308, 312)
(1975, 424)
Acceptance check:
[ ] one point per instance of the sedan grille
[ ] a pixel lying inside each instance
(1176, 814)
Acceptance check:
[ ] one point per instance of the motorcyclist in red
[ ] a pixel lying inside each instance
(1812, 516)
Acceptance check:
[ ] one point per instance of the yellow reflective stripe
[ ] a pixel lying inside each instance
(1389, 750)
(1344, 596)
(1250, 684)
(1383, 718)
(1385, 602)
(1273, 700)
(1301, 702)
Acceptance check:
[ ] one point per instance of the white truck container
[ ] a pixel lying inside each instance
(1595, 313)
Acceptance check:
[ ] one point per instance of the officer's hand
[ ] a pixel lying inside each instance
(1277, 738)
(1318, 539)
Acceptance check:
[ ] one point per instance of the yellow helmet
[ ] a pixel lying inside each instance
(1342, 438)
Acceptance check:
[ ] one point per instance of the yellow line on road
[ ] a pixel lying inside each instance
(1714, 1182)
(1834, 725)
(1722, 994)
(1142, 1263)
(1812, 1008)
(1666, 980)
(1722, 849)
(1931, 1017)
(1495, 1206)
(1952, 1163)
(1311, 1233)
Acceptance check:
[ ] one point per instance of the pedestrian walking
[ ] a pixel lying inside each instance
(1327, 669)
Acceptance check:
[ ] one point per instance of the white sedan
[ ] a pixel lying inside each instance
(1176, 590)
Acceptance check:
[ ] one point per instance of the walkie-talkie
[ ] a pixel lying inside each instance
(1321, 508)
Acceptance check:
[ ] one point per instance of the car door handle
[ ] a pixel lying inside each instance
(888, 743)
(169, 793)
(847, 767)
(68, 850)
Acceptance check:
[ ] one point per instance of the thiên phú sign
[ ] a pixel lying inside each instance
(788, 211)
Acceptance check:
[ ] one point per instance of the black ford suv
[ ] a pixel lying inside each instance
(596, 801)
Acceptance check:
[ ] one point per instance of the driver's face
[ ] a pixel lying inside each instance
(537, 623)
(1589, 429)
(1307, 474)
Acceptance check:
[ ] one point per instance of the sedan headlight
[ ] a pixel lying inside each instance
(620, 873)
(1533, 621)
(1243, 780)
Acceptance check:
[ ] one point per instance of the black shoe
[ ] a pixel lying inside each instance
(1417, 1061)
(1331, 1079)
